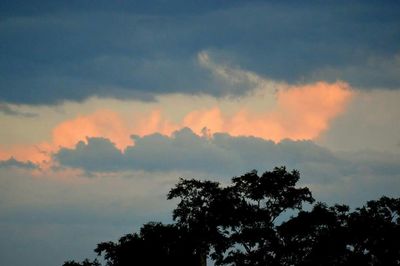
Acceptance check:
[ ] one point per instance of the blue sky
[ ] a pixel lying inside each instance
(105, 104)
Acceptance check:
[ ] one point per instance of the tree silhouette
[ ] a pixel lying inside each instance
(156, 244)
(317, 237)
(236, 224)
(86, 262)
(204, 212)
(334, 236)
(375, 231)
(237, 221)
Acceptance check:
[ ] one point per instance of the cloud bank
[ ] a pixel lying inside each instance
(294, 112)
(144, 51)
(271, 110)
(224, 155)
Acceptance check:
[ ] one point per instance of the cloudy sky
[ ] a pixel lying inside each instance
(105, 104)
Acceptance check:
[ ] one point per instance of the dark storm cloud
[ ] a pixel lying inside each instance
(70, 50)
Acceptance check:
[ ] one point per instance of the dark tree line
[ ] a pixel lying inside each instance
(237, 225)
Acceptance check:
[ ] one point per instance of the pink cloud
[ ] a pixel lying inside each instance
(300, 112)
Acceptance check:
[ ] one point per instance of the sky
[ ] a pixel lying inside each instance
(104, 105)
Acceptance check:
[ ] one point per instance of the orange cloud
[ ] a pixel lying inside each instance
(142, 124)
(300, 112)
(34, 153)
(212, 119)
(305, 111)
(102, 123)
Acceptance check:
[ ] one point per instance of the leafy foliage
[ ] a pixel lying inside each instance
(334, 236)
(157, 244)
(237, 225)
(86, 262)
(237, 221)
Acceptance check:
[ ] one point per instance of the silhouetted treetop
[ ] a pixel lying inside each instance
(236, 224)
(86, 262)
(156, 244)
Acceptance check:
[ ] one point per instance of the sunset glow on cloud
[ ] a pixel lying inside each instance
(102, 123)
(104, 105)
(270, 110)
(297, 112)
(300, 112)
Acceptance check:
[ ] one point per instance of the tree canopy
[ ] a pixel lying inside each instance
(237, 225)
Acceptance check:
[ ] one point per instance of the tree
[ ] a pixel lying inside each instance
(335, 236)
(205, 210)
(375, 232)
(86, 262)
(237, 221)
(156, 244)
(317, 237)
(237, 225)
